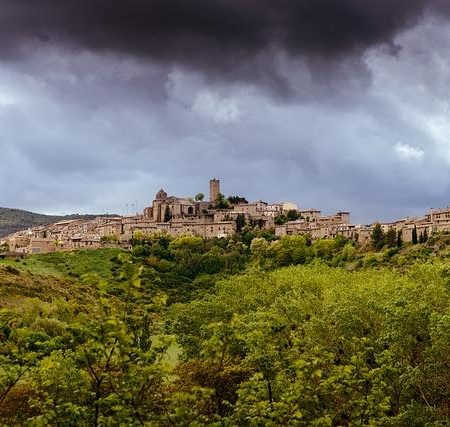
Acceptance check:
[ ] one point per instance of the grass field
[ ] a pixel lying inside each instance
(67, 264)
(50, 276)
(18, 286)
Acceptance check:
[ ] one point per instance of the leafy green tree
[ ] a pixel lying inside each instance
(116, 371)
(306, 344)
(399, 239)
(235, 200)
(321, 353)
(346, 254)
(222, 202)
(199, 197)
(55, 379)
(21, 349)
(378, 237)
(289, 250)
(111, 238)
(391, 238)
(324, 248)
(280, 219)
(259, 249)
(292, 215)
(187, 244)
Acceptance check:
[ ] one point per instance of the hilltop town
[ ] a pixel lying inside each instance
(217, 217)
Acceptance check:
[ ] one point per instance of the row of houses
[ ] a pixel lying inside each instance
(64, 235)
(323, 227)
(77, 234)
(93, 234)
(176, 216)
(211, 219)
(435, 221)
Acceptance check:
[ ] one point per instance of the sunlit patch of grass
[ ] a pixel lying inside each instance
(73, 264)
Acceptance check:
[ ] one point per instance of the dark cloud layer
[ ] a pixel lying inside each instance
(217, 35)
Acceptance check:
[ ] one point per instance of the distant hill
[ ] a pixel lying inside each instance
(12, 220)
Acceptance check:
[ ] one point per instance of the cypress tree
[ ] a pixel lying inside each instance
(399, 239)
(414, 236)
(390, 238)
(240, 222)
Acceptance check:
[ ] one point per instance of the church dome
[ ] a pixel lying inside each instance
(161, 195)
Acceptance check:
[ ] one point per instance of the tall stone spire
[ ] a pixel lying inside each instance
(214, 190)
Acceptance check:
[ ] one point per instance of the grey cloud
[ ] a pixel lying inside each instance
(92, 131)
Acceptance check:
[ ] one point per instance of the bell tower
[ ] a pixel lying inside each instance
(214, 190)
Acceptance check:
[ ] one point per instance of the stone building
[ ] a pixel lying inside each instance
(253, 209)
(164, 208)
(439, 216)
(110, 227)
(214, 190)
(177, 216)
(85, 241)
(310, 215)
(316, 226)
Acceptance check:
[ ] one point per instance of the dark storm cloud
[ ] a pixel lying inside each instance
(216, 35)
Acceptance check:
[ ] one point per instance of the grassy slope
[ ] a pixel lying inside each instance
(68, 264)
(16, 286)
(53, 275)
(12, 220)
(48, 277)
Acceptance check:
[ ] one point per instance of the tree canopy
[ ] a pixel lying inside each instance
(248, 330)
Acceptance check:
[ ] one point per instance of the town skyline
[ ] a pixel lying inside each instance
(126, 208)
(215, 216)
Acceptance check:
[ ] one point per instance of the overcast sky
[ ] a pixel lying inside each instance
(332, 104)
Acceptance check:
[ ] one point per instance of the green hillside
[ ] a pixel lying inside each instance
(193, 332)
(12, 220)
(17, 285)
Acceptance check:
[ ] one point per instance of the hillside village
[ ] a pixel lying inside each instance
(217, 217)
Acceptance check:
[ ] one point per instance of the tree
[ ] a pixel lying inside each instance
(259, 248)
(399, 239)
(292, 215)
(222, 203)
(280, 219)
(391, 238)
(111, 238)
(235, 200)
(378, 237)
(240, 222)
(425, 236)
(199, 197)
(414, 236)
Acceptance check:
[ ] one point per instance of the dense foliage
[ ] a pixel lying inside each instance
(246, 331)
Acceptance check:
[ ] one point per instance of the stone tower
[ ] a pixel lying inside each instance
(214, 190)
